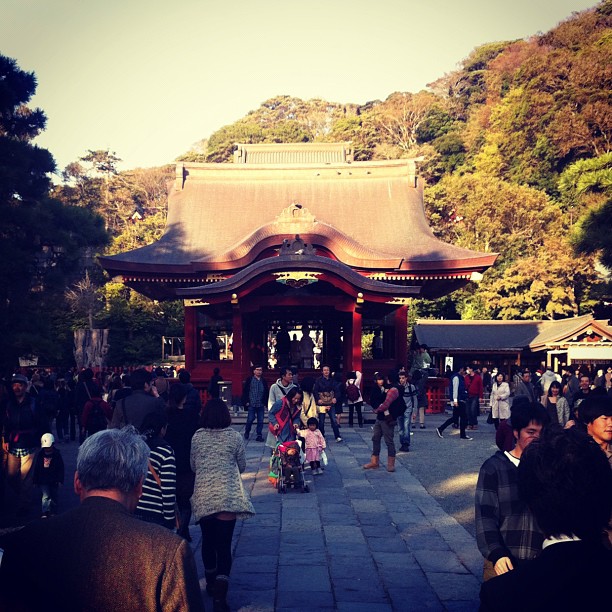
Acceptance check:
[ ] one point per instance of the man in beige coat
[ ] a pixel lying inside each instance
(98, 556)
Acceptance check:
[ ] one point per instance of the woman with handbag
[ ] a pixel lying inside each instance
(500, 394)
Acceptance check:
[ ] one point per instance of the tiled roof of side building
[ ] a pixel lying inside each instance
(502, 335)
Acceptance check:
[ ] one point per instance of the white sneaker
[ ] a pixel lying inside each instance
(338, 439)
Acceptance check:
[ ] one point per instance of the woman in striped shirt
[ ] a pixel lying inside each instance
(158, 499)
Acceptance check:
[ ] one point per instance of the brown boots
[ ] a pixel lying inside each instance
(373, 465)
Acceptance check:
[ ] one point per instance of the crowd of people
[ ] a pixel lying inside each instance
(185, 464)
(189, 464)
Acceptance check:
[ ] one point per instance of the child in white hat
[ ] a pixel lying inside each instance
(48, 473)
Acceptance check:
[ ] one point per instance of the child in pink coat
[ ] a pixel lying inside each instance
(315, 443)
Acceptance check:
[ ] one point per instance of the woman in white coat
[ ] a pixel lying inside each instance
(500, 396)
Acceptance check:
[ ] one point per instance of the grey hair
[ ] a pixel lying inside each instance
(113, 459)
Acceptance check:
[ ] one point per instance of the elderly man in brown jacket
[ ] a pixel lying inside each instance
(98, 556)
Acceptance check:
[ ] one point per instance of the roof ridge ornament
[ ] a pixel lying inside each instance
(296, 247)
(295, 212)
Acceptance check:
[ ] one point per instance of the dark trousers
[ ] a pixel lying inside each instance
(332, 419)
(357, 407)
(217, 545)
(459, 414)
(254, 412)
(473, 409)
(61, 425)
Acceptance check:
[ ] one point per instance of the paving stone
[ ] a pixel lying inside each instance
(309, 599)
(423, 598)
(455, 586)
(462, 605)
(342, 566)
(394, 560)
(257, 600)
(424, 542)
(393, 544)
(311, 578)
(353, 606)
(341, 534)
(379, 530)
(433, 561)
(263, 564)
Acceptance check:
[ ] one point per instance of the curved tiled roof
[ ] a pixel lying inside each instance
(368, 214)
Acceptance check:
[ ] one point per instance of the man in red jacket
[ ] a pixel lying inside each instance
(473, 386)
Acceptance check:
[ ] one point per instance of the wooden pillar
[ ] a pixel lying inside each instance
(239, 368)
(355, 362)
(191, 340)
(401, 334)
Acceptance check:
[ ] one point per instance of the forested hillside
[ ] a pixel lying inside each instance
(517, 158)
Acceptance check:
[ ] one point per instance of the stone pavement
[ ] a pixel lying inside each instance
(360, 540)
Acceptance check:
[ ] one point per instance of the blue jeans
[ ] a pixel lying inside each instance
(473, 409)
(332, 418)
(403, 426)
(254, 411)
(49, 497)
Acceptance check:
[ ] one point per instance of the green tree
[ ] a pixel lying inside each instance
(42, 240)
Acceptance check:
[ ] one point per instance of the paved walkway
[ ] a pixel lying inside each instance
(360, 540)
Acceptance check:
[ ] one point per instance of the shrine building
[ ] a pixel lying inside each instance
(297, 239)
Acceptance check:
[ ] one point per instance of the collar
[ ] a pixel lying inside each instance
(512, 458)
(558, 539)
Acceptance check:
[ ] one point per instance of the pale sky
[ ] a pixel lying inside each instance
(148, 78)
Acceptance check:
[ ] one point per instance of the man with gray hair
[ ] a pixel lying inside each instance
(98, 556)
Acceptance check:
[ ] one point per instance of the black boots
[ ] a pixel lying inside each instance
(220, 596)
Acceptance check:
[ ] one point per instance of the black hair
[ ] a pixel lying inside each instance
(595, 406)
(293, 392)
(176, 395)
(215, 415)
(567, 483)
(140, 378)
(312, 421)
(307, 384)
(524, 413)
(554, 384)
(255, 366)
(393, 377)
(152, 424)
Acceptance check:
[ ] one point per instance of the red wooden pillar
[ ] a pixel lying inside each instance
(356, 358)
(191, 340)
(238, 367)
(401, 334)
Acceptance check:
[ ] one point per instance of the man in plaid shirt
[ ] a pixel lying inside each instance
(506, 532)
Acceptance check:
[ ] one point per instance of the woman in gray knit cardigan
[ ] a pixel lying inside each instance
(219, 498)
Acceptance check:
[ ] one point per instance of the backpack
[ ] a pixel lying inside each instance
(398, 407)
(96, 420)
(352, 391)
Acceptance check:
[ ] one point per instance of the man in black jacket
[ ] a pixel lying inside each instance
(22, 430)
(255, 399)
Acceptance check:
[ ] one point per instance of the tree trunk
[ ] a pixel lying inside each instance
(90, 347)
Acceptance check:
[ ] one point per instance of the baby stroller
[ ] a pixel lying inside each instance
(289, 467)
